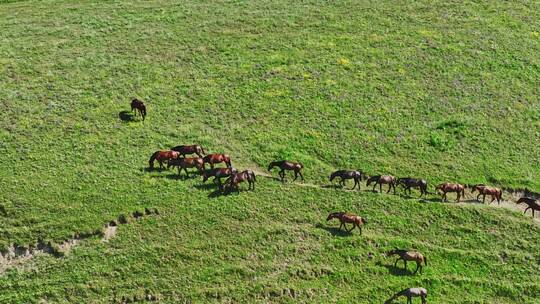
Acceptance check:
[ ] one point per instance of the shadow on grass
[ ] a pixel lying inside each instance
(394, 270)
(430, 200)
(156, 169)
(206, 186)
(126, 116)
(334, 230)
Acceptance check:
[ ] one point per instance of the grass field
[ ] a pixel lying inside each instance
(446, 91)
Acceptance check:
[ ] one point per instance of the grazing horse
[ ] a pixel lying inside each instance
(484, 190)
(407, 255)
(382, 179)
(410, 293)
(287, 165)
(139, 106)
(409, 182)
(190, 150)
(449, 187)
(345, 218)
(346, 174)
(161, 156)
(218, 174)
(187, 162)
(531, 203)
(236, 178)
(212, 159)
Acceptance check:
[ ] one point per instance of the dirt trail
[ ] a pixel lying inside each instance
(16, 256)
(508, 202)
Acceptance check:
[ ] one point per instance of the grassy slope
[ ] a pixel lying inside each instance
(445, 91)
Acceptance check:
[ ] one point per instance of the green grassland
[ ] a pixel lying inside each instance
(446, 91)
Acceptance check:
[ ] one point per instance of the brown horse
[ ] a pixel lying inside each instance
(382, 179)
(409, 182)
(162, 156)
(236, 178)
(407, 255)
(410, 293)
(347, 174)
(345, 218)
(218, 174)
(287, 165)
(531, 203)
(449, 187)
(212, 159)
(484, 190)
(193, 149)
(187, 162)
(139, 106)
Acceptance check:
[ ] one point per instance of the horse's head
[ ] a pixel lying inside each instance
(270, 166)
(331, 216)
(364, 220)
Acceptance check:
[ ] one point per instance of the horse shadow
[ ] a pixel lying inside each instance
(334, 230)
(472, 201)
(156, 169)
(218, 193)
(126, 116)
(394, 270)
(205, 186)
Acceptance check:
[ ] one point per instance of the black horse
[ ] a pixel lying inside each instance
(409, 182)
(347, 174)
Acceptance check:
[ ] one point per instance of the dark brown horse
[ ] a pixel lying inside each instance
(346, 174)
(193, 149)
(218, 174)
(212, 159)
(409, 182)
(162, 156)
(187, 162)
(345, 218)
(237, 178)
(531, 203)
(449, 187)
(139, 106)
(409, 255)
(382, 179)
(484, 190)
(287, 165)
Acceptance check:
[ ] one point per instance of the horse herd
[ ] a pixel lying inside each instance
(176, 157)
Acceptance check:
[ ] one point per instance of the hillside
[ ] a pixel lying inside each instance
(437, 90)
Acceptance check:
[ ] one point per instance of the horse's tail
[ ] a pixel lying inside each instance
(152, 158)
(143, 112)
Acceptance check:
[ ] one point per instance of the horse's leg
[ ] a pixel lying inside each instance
(458, 197)
(341, 226)
(282, 175)
(389, 188)
(380, 187)
(295, 175)
(478, 196)
(528, 209)
(484, 199)
(423, 299)
(395, 264)
(492, 199)
(355, 183)
(417, 267)
(405, 263)
(409, 299)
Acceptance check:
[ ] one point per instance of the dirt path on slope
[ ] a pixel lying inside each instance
(509, 196)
